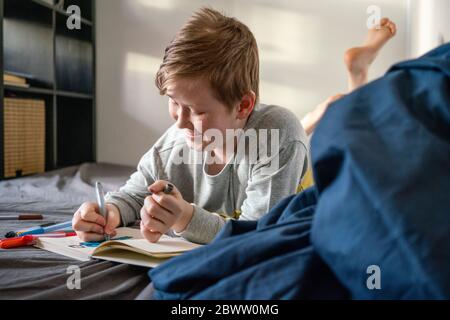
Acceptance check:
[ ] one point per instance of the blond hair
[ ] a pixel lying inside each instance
(215, 47)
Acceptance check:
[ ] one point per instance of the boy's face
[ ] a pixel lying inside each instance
(195, 109)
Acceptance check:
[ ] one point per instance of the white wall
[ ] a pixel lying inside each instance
(429, 25)
(301, 49)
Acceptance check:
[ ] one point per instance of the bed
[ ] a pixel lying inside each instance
(31, 273)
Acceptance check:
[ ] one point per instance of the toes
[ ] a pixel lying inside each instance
(393, 28)
(384, 22)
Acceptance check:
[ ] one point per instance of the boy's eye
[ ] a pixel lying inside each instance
(195, 113)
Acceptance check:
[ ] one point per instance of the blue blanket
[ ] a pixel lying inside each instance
(382, 164)
(377, 224)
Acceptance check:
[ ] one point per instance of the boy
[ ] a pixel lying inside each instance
(210, 72)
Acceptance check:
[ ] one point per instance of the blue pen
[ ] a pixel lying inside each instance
(12, 234)
(41, 230)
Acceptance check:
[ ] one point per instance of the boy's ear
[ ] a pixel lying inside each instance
(246, 105)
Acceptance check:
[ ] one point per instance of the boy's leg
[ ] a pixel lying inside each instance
(359, 59)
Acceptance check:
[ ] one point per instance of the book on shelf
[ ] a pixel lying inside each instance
(127, 247)
(15, 79)
(13, 84)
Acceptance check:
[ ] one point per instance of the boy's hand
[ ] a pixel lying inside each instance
(162, 212)
(89, 224)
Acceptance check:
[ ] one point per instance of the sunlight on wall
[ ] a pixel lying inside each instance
(137, 62)
(287, 42)
(430, 25)
(391, 3)
(157, 4)
(426, 42)
(289, 37)
(301, 46)
(141, 99)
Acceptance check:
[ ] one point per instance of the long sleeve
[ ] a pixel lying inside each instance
(130, 198)
(263, 192)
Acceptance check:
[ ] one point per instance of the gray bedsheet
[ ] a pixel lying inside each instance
(31, 273)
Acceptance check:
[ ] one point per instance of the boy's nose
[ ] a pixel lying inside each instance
(182, 118)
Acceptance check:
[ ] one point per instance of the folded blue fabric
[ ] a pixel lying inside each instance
(381, 163)
(269, 259)
(382, 166)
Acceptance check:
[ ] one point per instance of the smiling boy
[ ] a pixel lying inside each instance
(210, 72)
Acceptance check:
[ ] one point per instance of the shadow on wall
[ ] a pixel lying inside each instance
(301, 43)
(301, 51)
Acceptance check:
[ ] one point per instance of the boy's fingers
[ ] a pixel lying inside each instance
(168, 202)
(90, 236)
(111, 230)
(160, 185)
(93, 236)
(113, 234)
(89, 206)
(92, 216)
(157, 186)
(153, 209)
(112, 223)
(85, 226)
(164, 203)
(147, 217)
(150, 236)
(155, 225)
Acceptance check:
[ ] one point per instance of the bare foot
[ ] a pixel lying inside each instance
(310, 121)
(359, 59)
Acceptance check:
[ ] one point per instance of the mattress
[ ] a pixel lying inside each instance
(31, 273)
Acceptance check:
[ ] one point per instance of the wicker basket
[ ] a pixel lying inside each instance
(24, 137)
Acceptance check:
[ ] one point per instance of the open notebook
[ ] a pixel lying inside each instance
(130, 247)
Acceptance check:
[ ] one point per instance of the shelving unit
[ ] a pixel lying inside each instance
(61, 62)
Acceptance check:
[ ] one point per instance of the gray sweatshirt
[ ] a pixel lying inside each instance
(246, 188)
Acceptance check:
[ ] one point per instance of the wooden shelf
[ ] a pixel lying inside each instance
(49, 92)
(29, 90)
(61, 11)
(74, 95)
(59, 66)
